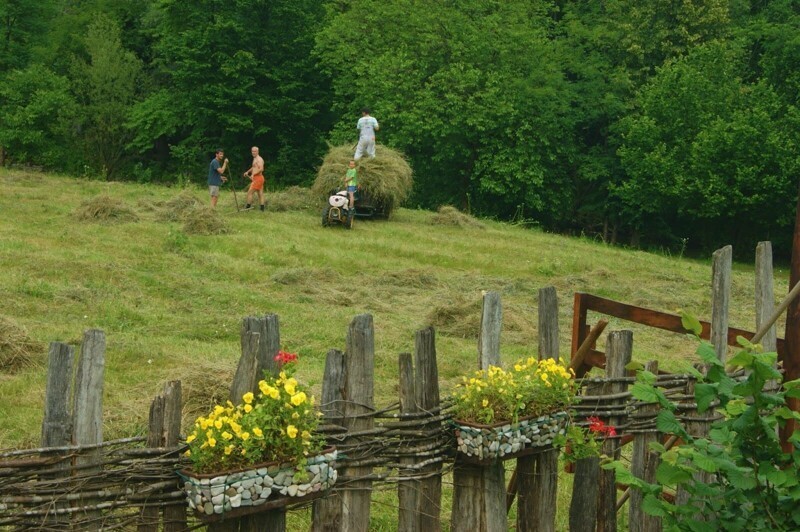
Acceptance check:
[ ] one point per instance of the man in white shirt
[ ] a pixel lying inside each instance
(367, 126)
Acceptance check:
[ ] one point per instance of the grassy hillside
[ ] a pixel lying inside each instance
(171, 303)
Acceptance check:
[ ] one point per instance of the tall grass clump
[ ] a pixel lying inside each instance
(105, 209)
(17, 350)
(204, 221)
(447, 215)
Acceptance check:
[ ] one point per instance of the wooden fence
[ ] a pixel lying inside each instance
(78, 481)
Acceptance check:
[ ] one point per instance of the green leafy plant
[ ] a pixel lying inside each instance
(530, 388)
(738, 476)
(585, 442)
(278, 423)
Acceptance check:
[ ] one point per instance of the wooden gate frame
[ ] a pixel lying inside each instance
(584, 302)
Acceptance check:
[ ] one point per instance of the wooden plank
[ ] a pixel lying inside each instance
(538, 474)
(327, 512)
(584, 359)
(429, 497)
(149, 515)
(479, 492)
(359, 395)
(765, 294)
(174, 515)
(491, 325)
(579, 315)
(247, 376)
(791, 359)
(656, 319)
(88, 404)
(408, 514)
(620, 349)
(269, 341)
(720, 298)
(643, 465)
(583, 506)
(57, 421)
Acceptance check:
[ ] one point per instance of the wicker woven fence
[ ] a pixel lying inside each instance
(77, 481)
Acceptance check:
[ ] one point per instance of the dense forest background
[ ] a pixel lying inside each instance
(665, 123)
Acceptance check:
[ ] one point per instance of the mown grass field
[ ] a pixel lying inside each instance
(171, 303)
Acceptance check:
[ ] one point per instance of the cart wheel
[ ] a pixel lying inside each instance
(325, 220)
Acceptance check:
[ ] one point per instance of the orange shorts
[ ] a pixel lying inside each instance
(258, 182)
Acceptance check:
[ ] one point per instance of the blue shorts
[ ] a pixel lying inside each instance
(351, 188)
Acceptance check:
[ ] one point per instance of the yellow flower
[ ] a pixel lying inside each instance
(229, 449)
(248, 397)
(227, 435)
(190, 438)
(258, 432)
(212, 442)
(245, 436)
(218, 424)
(295, 415)
(218, 410)
(485, 402)
(188, 452)
(299, 398)
(291, 431)
(248, 408)
(306, 435)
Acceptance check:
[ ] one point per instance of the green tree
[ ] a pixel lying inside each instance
(706, 155)
(22, 24)
(236, 76)
(107, 89)
(473, 93)
(37, 118)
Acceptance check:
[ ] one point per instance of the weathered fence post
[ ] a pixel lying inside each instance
(537, 474)
(327, 512)
(359, 405)
(720, 297)
(174, 514)
(620, 349)
(57, 422)
(149, 515)
(407, 516)
(88, 406)
(429, 497)
(643, 465)
(765, 295)
(479, 492)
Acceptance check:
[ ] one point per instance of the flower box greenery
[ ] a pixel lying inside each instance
(501, 414)
(265, 447)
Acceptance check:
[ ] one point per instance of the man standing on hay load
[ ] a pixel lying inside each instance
(256, 175)
(215, 177)
(367, 126)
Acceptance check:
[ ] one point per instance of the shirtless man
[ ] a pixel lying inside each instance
(256, 175)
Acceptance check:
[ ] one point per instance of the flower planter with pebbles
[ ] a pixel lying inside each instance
(503, 441)
(265, 486)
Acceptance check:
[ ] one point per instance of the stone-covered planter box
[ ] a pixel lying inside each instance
(263, 487)
(502, 441)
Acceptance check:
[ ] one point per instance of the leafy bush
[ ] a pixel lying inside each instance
(738, 476)
(276, 424)
(530, 388)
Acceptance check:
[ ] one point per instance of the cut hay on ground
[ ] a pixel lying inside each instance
(179, 206)
(17, 350)
(204, 221)
(386, 178)
(204, 385)
(293, 199)
(105, 209)
(458, 317)
(448, 215)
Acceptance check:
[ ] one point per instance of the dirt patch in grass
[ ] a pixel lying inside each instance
(105, 209)
(204, 221)
(293, 199)
(448, 215)
(17, 350)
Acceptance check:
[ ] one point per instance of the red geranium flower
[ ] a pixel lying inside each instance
(597, 426)
(284, 357)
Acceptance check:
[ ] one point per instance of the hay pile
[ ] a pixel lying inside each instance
(105, 209)
(448, 215)
(17, 349)
(386, 179)
(293, 199)
(179, 206)
(204, 221)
